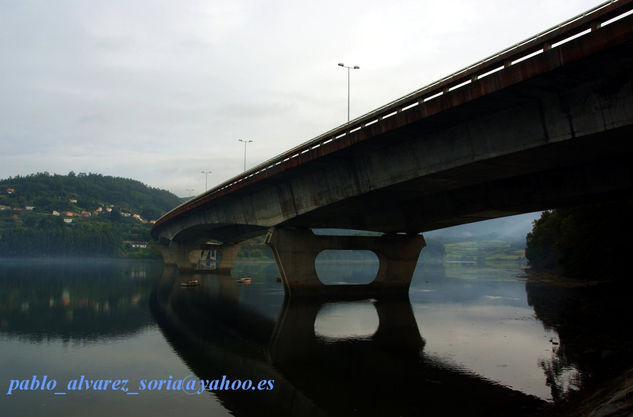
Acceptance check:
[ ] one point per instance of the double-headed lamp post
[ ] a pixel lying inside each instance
(245, 141)
(206, 174)
(348, 71)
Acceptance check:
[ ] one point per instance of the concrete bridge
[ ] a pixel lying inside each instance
(545, 123)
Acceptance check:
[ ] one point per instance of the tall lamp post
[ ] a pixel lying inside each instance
(245, 141)
(206, 173)
(348, 71)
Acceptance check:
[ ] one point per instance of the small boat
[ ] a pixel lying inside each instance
(245, 280)
(190, 283)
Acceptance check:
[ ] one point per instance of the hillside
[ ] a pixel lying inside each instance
(78, 215)
(56, 192)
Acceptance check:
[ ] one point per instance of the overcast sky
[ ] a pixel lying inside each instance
(160, 90)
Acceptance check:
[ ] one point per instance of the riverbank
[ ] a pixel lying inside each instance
(592, 320)
(610, 399)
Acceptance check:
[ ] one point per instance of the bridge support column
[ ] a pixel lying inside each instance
(187, 256)
(179, 254)
(295, 252)
(228, 253)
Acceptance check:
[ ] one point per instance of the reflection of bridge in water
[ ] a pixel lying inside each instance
(542, 124)
(383, 374)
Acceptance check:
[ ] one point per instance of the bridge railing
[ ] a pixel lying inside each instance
(591, 20)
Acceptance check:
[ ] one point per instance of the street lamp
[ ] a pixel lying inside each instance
(348, 68)
(245, 142)
(206, 173)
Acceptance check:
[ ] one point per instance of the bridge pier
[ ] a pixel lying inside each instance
(226, 256)
(176, 253)
(188, 256)
(295, 252)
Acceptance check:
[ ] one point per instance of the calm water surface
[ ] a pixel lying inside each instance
(468, 341)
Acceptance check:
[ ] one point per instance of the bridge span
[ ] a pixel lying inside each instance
(545, 123)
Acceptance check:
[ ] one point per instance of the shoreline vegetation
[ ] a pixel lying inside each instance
(586, 243)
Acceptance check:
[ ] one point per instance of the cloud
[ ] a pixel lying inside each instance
(131, 87)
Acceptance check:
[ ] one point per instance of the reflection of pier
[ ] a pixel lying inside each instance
(383, 374)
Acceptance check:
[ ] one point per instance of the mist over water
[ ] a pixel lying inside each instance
(472, 337)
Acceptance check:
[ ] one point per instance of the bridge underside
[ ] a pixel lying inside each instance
(592, 168)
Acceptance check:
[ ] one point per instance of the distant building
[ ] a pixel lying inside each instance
(124, 214)
(73, 201)
(10, 190)
(68, 221)
(55, 213)
(29, 208)
(69, 214)
(3, 207)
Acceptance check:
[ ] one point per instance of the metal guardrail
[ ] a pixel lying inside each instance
(591, 20)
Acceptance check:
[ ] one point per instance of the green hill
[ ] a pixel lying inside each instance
(78, 215)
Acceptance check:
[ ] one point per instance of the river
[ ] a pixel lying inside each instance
(469, 340)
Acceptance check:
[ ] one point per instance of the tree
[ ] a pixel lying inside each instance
(587, 242)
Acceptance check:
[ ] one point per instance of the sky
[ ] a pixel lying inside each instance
(160, 91)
